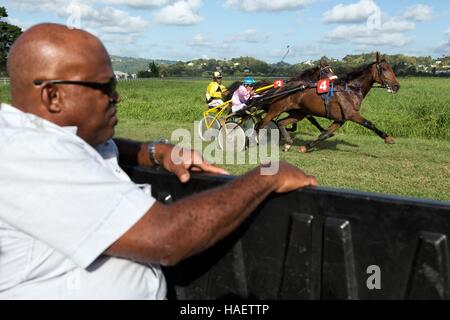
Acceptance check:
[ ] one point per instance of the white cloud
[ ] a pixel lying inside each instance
(356, 12)
(396, 25)
(443, 48)
(370, 27)
(106, 19)
(207, 43)
(297, 52)
(200, 40)
(419, 12)
(99, 20)
(182, 12)
(387, 39)
(140, 4)
(44, 5)
(307, 50)
(389, 33)
(249, 36)
(266, 5)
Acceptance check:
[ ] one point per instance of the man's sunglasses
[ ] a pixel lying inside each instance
(108, 88)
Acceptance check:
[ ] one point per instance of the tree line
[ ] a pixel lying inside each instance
(237, 67)
(8, 34)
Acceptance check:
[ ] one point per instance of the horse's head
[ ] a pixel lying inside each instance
(325, 71)
(384, 74)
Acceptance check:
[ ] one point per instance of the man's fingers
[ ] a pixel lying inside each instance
(182, 173)
(206, 167)
(307, 181)
(312, 181)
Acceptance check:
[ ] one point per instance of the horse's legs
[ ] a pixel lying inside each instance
(314, 122)
(293, 118)
(270, 115)
(357, 118)
(284, 133)
(325, 135)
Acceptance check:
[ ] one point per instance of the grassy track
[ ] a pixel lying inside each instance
(418, 117)
(412, 167)
(421, 109)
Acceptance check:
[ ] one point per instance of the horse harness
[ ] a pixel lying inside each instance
(326, 97)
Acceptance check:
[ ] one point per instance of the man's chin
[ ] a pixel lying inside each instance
(106, 137)
(113, 131)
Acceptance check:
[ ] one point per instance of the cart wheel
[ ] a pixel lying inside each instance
(231, 137)
(249, 126)
(205, 133)
(267, 134)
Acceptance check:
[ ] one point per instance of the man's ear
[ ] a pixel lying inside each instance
(51, 98)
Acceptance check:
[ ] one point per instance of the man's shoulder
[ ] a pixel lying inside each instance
(24, 132)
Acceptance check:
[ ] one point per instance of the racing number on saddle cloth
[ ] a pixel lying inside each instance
(278, 84)
(323, 86)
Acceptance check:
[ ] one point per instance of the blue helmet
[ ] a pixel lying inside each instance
(248, 81)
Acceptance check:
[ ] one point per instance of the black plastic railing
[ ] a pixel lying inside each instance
(316, 243)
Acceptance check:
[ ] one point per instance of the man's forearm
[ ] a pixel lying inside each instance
(207, 217)
(169, 234)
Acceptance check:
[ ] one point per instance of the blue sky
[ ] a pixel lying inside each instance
(189, 29)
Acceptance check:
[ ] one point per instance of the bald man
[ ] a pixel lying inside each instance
(72, 223)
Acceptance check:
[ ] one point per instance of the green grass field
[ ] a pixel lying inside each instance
(418, 117)
(421, 109)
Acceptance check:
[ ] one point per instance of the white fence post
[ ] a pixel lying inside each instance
(4, 81)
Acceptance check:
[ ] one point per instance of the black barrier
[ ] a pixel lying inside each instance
(316, 243)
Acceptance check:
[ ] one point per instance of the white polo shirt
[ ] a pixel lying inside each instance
(62, 204)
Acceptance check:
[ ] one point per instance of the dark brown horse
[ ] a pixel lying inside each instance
(343, 106)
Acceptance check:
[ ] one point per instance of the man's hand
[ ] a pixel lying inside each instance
(181, 160)
(291, 178)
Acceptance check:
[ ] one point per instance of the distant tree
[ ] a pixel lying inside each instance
(163, 70)
(143, 74)
(178, 69)
(8, 34)
(153, 69)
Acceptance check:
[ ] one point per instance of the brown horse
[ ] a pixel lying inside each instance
(306, 78)
(343, 106)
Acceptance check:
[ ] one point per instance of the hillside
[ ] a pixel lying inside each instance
(404, 65)
(134, 65)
